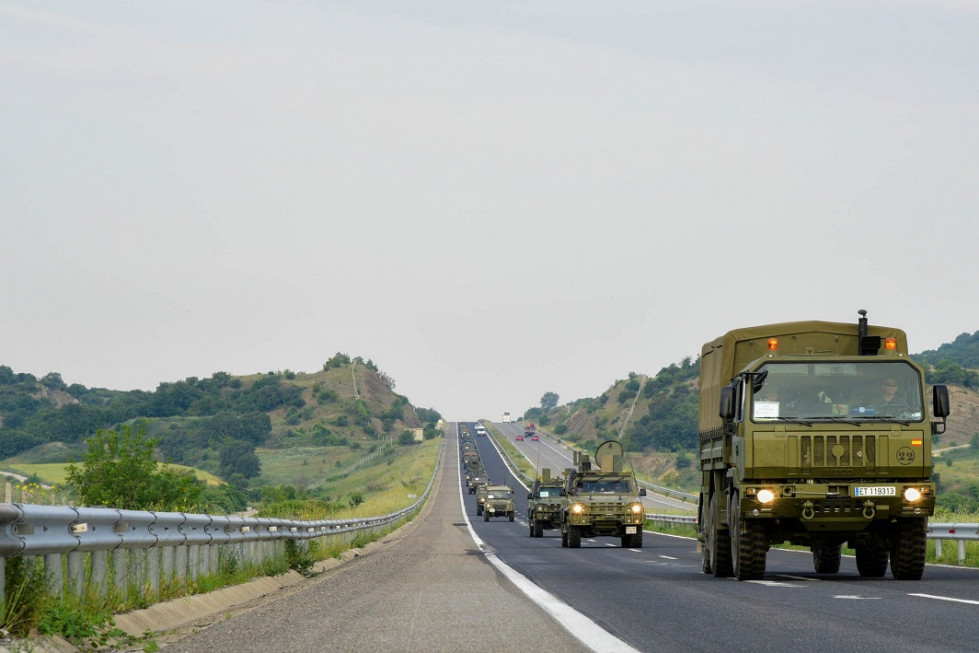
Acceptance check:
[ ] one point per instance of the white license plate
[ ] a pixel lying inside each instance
(884, 491)
(630, 530)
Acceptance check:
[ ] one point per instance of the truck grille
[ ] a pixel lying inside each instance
(816, 451)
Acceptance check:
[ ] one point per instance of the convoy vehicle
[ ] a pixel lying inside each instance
(544, 503)
(506, 418)
(799, 443)
(476, 480)
(498, 502)
(480, 498)
(603, 500)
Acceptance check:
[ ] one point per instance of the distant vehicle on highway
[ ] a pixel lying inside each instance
(534, 438)
(506, 418)
(519, 437)
(480, 429)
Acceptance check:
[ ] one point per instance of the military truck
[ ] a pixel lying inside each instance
(815, 433)
(603, 500)
(480, 498)
(476, 480)
(498, 502)
(544, 503)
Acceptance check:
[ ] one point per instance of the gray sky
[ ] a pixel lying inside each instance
(491, 200)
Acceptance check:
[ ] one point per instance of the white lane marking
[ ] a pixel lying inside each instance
(856, 597)
(668, 557)
(581, 627)
(945, 598)
(772, 583)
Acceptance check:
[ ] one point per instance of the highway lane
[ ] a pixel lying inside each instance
(426, 587)
(548, 452)
(657, 599)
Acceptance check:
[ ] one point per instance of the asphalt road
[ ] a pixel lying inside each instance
(428, 588)
(657, 598)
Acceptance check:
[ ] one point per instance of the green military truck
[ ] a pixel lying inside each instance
(815, 433)
(498, 502)
(477, 479)
(603, 500)
(544, 503)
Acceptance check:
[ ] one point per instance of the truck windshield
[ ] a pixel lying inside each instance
(833, 390)
(549, 492)
(606, 487)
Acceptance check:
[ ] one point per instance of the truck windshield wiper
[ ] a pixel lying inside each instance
(798, 420)
(837, 418)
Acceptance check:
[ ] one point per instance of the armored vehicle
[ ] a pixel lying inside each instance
(480, 498)
(544, 503)
(815, 433)
(476, 480)
(498, 502)
(603, 500)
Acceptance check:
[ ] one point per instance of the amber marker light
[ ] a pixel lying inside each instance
(773, 344)
(890, 344)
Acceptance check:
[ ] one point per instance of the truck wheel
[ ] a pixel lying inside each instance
(479, 510)
(872, 559)
(538, 529)
(574, 537)
(908, 549)
(826, 558)
(564, 536)
(632, 541)
(718, 543)
(485, 516)
(510, 515)
(532, 529)
(748, 549)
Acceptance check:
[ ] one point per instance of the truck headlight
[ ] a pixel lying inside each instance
(577, 508)
(636, 508)
(765, 496)
(912, 494)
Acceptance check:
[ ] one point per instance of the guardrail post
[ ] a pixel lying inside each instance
(76, 574)
(938, 549)
(961, 552)
(52, 574)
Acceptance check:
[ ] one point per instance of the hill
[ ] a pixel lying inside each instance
(236, 428)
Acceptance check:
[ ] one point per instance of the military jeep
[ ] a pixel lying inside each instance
(498, 502)
(544, 503)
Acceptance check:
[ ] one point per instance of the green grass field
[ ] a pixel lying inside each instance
(55, 473)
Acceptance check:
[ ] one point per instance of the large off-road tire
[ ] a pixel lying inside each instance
(532, 530)
(564, 536)
(510, 516)
(871, 559)
(479, 510)
(826, 558)
(574, 537)
(749, 544)
(908, 548)
(632, 541)
(538, 529)
(485, 516)
(718, 543)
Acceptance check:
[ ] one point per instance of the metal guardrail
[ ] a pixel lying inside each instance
(132, 551)
(960, 532)
(668, 491)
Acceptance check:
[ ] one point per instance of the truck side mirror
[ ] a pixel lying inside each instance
(642, 491)
(939, 401)
(530, 496)
(727, 407)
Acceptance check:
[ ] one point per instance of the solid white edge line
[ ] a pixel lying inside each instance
(944, 598)
(581, 627)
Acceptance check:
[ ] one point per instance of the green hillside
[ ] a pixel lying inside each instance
(302, 430)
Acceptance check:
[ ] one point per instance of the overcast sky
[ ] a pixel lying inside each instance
(490, 200)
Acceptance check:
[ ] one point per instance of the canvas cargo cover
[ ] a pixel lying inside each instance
(722, 358)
